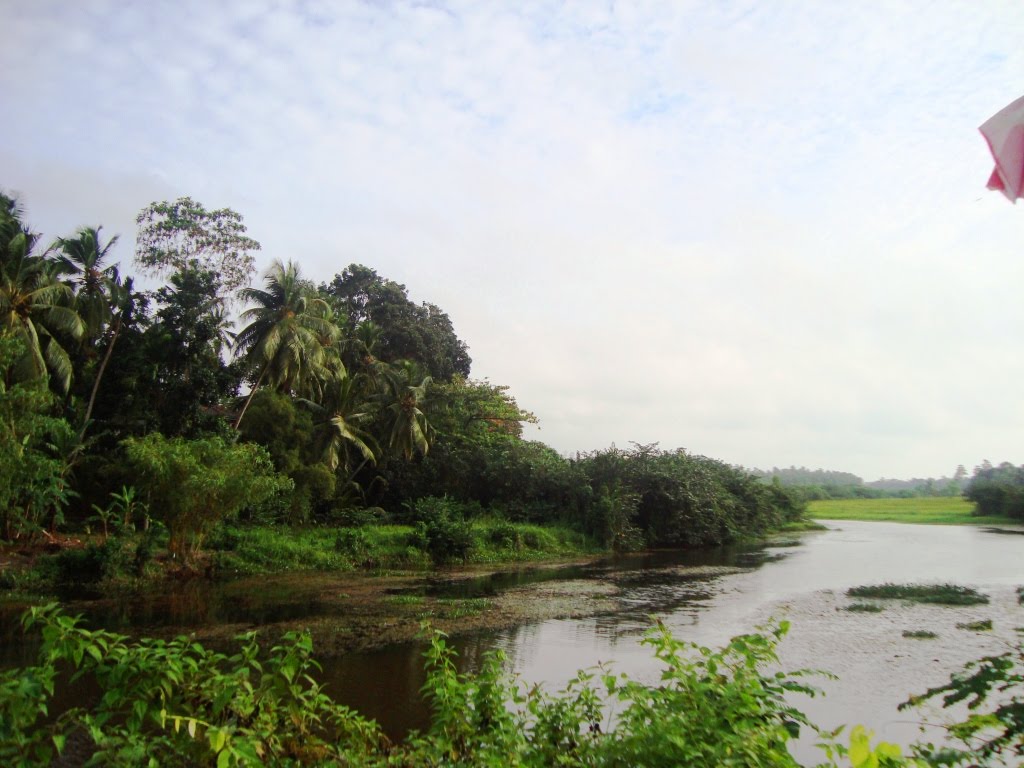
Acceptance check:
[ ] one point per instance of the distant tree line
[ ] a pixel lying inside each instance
(341, 403)
(818, 484)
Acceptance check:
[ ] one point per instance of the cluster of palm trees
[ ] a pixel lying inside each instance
(68, 304)
(293, 343)
(64, 302)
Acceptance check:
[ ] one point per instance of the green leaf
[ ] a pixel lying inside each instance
(217, 737)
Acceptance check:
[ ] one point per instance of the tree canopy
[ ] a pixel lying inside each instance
(406, 330)
(185, 235)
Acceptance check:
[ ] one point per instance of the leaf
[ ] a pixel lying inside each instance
(217, 737)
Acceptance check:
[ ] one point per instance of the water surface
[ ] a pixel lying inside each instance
(705, 597)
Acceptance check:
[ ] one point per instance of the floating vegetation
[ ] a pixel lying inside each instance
(984, 625)
(404, 599)
(919, 634)
(941, 594)
(457, 609)
(865, 608)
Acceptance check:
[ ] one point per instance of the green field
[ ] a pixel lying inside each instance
(938, 511)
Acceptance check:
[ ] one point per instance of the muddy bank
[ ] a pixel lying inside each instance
(359, 612)
(346, 612)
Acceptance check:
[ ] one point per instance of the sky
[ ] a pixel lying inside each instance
(758, 231)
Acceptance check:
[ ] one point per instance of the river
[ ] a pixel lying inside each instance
(705, 597)
(877, 667)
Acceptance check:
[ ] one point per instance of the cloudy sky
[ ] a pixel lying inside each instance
(756, 230)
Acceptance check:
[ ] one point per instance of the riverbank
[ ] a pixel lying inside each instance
(126, 562)
(139, 560)
(946, 510)
(382, 597)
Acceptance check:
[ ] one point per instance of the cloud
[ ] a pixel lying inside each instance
(757, 231)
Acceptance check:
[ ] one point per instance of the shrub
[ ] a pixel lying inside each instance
(191, 485)
(94, 562)
(504, 535)
(313, 494)
(177, 703)
(353, 544)
(441, 531)
(354, 517)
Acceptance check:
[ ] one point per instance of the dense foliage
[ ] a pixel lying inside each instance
(33, 485)
(179, 703)
(340, 404)
(997, 490)
(176, 702)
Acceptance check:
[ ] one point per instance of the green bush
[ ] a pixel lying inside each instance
(353, 543)
(176, 703)
(313, 494)
(441, 531)
(94, 562)
(192, 485)
(504, 535)
(355, 517)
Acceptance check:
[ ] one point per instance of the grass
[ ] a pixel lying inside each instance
(404, 599)
(984, 625)
(270, 549)
(494, 542)
(940, 594)
(455, 608)
(864, 608)
(263, 549)
(801, 525)
(944, 510)
(919, 634)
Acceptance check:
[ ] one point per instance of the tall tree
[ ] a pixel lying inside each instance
(34, 305)
(184, 235)
(408, 430)
(343, 415)
(184, 348)
(122, 301)
(407, 331)
(288, 333)
(81, 262)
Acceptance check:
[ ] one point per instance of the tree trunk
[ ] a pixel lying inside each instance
(248, 400)
(99, 377)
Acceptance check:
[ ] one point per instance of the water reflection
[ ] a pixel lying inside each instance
(705, 597)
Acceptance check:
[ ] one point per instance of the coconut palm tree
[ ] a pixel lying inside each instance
(80, 262)
(286, 329)
(122, 302)
(341, 414)
(36, 307)
(408, 428)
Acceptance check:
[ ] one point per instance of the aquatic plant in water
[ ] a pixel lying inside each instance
(941, 594)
